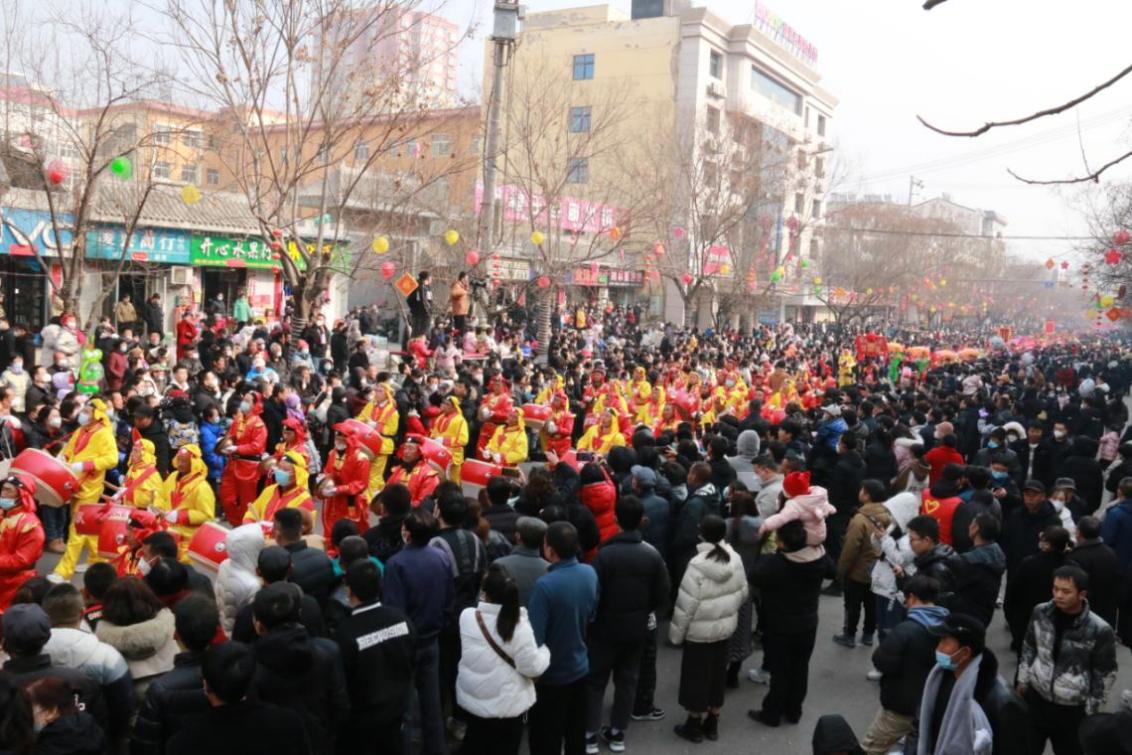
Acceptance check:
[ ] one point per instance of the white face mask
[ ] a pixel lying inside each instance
(1059, 434)
(55, 422)
(144, 567)
(340, 445)
(84, 418)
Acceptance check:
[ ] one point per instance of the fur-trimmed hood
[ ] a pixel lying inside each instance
(139, 641)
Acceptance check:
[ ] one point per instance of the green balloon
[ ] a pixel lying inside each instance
(805, 263)
(122, 167)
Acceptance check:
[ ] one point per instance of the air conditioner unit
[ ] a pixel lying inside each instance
(715, 89)
(181, 276)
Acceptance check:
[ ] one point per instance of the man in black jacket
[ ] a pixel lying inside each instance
(1101, 564)
(420, 305)
(162, 545)
(844, 486)
(1021, 527)
(274, 566)
(978, 572)
(297, 672)
(149, 429)
(310, 568)
(633, 583)
(933, 558)
(790, 581)
(904, 658)
(391, 505)
(378, 647)
(180, 693)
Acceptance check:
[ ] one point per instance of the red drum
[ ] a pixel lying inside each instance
(535, 415)
(369, 439)
(209, 546)
(570, 459)
(474, 475)
(88, 518)
(432, 451)
(55, 483)
(112, 534)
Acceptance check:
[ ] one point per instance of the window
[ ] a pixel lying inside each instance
(193, 139)
(441, 145)
(213, 177)
(799, 203)
(776, 91)
(819, 167)
(821, 125)
(713, 120)
(801, 159)
(817, 209)
(162, 170)
(361, 152)
(583, 67)
(411, 149)
(161, 135)
(578, 171)
(580, 119)
(715, 65)
(189, 174)
(212, 144)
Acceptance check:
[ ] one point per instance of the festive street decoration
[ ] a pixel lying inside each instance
(686, 278)
(472, 258)
(615, 233)
(452, 237)
(406, 284)
(1050, 264)
(658, 249)
(387, 270)
(1121, 237)
(678, 233)
(56, 172)
(380, 245)
(537, 237)
(122, 167)
(190, 194)
(1113, 257)
(543, 281)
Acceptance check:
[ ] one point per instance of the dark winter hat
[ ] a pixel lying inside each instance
(1036, 486)
(969, 631)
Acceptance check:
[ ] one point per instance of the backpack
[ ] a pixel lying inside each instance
(469, 561)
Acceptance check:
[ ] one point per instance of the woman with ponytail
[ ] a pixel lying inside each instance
(499, 662)
(712, 591)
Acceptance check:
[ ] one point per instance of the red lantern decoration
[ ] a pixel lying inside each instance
(1121, 237)
(1065, 265)
(686, 278)
(543, 281)
(276, 245)
(472, 258)
(387, 270)
(1050, 264)
(56, 172)
(658, 249)
(615, 233)
(678, 233)
(277, 233)
(1113, 257)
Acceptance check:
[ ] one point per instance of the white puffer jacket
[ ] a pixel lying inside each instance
(487, 686)
(81, 650)
(711, 593)
(236, 580)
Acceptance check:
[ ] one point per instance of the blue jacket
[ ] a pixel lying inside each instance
(418, 580)
(563, 603)
(210, 435)
(1116, 531)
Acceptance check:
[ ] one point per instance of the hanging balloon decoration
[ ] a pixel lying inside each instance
(451, 237)
(678, 233)
(658, 249)
(686, 278)
(1050, 264)
(122, 167)
(615, 233)
(543, 281)
(1113, 257)
(190, 194)
(387, 270)
(56, 172)
(472, 258)
(537, 237)
(1121, 237)
(380, 245)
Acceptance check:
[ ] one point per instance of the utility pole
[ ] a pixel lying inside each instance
(913, 184)
(508, 13)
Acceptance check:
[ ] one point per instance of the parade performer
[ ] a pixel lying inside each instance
(91, 452)
(558, 431)
(603, 435)
(143, 481)
(21, 536)
(640, 394)
(451, 429)
(668, 421)
(508, 446)
(344, 481)
(845, 365)
(294, 439)
(186, 498)
(139, 526)
(244, 445)
(416, 473)
(493, 412)
(381, 414)
(288, 492)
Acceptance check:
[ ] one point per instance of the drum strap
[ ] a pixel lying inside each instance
(278, 502)
(135, 483)
(179, 491)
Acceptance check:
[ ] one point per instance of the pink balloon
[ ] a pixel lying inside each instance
(387, 270)
(543, 281)
(678, 232)
(687, 278)
(472, 258)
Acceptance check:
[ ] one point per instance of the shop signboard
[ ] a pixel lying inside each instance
(27, 231)
(146, 245)
(592, 276)
(221, 251)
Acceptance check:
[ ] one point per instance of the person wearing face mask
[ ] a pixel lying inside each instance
(344, 481)
(243, 445)
(21, 536)
(288, 491)
(18, 380)
(186, 498)
(39, 392)
(91, 451)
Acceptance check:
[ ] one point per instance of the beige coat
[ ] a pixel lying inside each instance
(458, 297)
(124, 312)
(711, 593)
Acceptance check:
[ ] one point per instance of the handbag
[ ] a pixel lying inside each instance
(491, 641)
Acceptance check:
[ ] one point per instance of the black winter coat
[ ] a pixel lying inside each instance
(378, 647)
(76, 734)
(311, 570)
(790, 592)
(1030, 583)
(1082, 466)
(633, 581)
(169, 700)
(845, 481)
(978, 576)
(1020, 530)
(1103, 567)
(905, 657)
(880, 461)
(246, 728)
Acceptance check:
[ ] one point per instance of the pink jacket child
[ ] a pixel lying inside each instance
(810, 504)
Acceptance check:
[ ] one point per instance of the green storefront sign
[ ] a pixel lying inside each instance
(254, 253)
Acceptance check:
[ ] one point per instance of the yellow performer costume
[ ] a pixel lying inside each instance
(382, 415)
(508, 446)
(602, 435)
(547, 393)
(186, 498)
(640, 390)
(293, 495)
(143, 482)
(90, 453)
(451, 429)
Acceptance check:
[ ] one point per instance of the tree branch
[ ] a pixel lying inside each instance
(1094, 176)
(929, 4)
(1033, 116)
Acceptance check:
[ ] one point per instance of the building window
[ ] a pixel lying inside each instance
(817, 209)
(819, 167)
(161, 135)
(715, 65)
(799, 203)
(193, 139)
(583, 67)
(775, 91)
(162, 170)
(580, 118)
(189, 174)
(361, 152)
(213, 177)
(578, 171)
(713, 120)
(821, 125)
(801, 159)
(411, 149)
(441, 145)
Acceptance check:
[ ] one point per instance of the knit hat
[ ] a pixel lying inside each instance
(796, 484)
(26, 626)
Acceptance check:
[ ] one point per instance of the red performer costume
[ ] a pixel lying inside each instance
(415, 472)
(187, 333)
(21, 538)
(493, 412)
(248, 439)
(557, 433)
(344, 482)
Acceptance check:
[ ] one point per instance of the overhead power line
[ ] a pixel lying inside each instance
(950, 235)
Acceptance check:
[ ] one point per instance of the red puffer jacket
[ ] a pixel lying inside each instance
(600, 498)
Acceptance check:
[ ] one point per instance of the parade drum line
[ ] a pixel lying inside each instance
(55, 483)
(112, 530)
(474, 475)
(369, 439)
(535, 415)
(89, 517)
(209, 546)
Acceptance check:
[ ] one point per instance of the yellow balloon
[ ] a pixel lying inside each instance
(1107, 300)
(725, 269)
(868, 292)
(190, 194)
(452, 236)
(380, 245)
(817, 281)
(943, 281)
(537, 237)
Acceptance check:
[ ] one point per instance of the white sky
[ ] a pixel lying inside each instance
(959, 65)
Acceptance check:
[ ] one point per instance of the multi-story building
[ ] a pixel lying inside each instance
(703, 92)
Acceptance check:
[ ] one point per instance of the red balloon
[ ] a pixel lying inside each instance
(543, 281)
(472, 258)
(56, 172)
(1121, 237)
(687, 278)
(277, 232)
(1113, 257)
(387, 270)
(276, 245)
